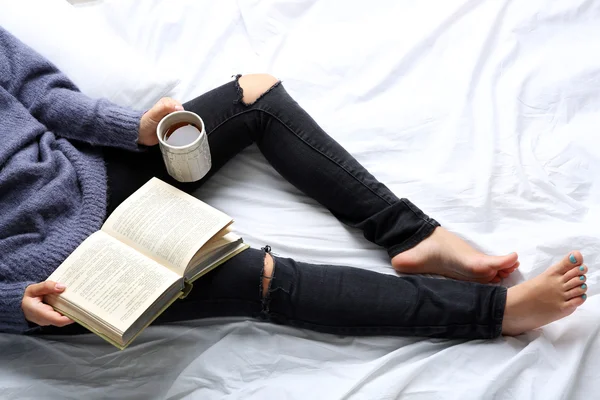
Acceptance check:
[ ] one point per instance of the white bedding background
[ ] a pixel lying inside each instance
(484, 113)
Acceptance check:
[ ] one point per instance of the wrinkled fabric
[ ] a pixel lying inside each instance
(484, 113)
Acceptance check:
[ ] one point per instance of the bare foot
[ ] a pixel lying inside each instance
(444, 253)
(553, 295)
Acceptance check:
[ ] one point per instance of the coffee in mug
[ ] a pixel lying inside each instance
(182, 134)
(184, 145)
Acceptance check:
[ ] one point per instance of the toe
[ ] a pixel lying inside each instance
(575, 282)
(573, 259)
(576, 272)
(513, 268)
(503, 262)
(576, 292)
(505, 273)
(572, 304)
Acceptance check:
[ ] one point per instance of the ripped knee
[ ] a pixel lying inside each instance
(267, 274)
(252, 87)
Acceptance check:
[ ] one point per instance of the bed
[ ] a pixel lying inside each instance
(483, 113)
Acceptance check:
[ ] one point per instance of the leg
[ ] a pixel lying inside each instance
(342, 300)
(236, 116)
(257, 109)
(353, 301)
(288, 138)
(308, 158)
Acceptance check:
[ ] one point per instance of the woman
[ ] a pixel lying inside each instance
(66, 159)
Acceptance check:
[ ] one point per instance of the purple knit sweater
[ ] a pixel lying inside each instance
(52, 175)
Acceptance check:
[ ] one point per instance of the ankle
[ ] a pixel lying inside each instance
(406, 259)
(513, 303)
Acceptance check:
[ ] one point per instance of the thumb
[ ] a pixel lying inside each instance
(44, 288)
(162, 108)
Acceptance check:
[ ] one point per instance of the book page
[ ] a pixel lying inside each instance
(213, 261)
(165, 224)
(213, 245)
(115, 283)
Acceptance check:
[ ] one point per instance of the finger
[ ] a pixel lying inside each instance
(49, 316)
(60, 320)
(158, 111)
(43, 288)
(176, 105)
(165, 106)
(172, 104)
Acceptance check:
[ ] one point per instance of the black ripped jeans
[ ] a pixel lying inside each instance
(326, 298)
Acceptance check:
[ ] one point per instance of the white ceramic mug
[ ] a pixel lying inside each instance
(186, 162)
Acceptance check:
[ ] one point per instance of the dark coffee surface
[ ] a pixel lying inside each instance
(176, 126)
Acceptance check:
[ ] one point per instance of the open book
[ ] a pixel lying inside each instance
(145, 256)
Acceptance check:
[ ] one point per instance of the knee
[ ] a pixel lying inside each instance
(255, 85)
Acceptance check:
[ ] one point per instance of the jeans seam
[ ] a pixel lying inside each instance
(300, 322)
(227, 120)
(222, 300)
(325, 155)
(305, 142)
(499, 304)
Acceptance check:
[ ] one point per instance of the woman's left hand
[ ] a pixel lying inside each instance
(36, 310)
(152, 117)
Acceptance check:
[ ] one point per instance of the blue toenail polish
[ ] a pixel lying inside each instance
(584, 296)
(581, 268)
(572, 258)
(583, 286)
(581, 277)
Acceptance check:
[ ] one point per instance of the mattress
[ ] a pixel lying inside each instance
(483, 113)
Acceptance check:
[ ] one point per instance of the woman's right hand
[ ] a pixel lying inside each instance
(37, 311)
(151, 118)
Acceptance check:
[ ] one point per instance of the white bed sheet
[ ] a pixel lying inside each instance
(484, 113)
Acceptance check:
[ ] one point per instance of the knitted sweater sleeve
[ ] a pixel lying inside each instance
(12, 319)
(57, 103)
